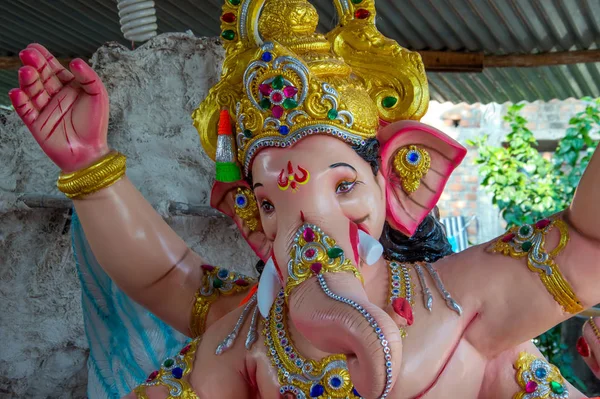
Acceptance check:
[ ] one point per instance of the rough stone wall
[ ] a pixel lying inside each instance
(153, 91)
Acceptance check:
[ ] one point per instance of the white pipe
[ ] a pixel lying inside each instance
(138, 19)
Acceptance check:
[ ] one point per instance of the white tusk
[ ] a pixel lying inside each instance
(268, 288)
(369, 249)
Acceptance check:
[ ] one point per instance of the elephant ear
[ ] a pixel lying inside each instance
(223, 198)
(417, 161)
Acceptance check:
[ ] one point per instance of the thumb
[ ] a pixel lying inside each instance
(86, 77)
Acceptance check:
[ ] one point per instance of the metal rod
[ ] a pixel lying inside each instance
(59, 202)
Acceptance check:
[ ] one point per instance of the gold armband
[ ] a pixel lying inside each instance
(102, 174)
(215, 282)
(171, 373)
(528, 241)
(312, 253)
(539, 379)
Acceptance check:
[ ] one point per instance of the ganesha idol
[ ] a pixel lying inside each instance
(324, 167)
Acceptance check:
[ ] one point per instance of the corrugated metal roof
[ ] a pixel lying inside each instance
(74, 28)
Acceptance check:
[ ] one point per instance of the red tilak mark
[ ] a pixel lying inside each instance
(282, 181)
(293, 185)
(302, 216)
(52, 112)
(304, 177)
(290, 168)
(61, 118)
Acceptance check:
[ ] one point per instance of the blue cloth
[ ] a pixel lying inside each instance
(126, 341)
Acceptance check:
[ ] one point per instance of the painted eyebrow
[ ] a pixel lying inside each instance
(256, 185)
(337, 165)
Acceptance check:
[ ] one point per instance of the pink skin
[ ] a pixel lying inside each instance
(593, 343)
(57, 106)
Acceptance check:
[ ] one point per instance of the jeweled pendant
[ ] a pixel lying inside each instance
(278, 82)
(290, 103)
(308, 234)
(316, 267)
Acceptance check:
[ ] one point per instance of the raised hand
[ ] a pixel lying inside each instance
(66, 111)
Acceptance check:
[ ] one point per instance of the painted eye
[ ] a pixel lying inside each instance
(267, 207)
(345, 187)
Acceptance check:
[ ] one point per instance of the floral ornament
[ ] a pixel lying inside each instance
(538, 379)
(246, 208)
(171, 373)
(315, 253)
(411, 163)
(528, 241)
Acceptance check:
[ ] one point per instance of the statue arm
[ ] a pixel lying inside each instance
(519, 294)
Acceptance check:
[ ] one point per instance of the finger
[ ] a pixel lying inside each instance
(22, 104)
(30, 83)
(60, 71)
(593, 342)
(34, 58)
(86, 77)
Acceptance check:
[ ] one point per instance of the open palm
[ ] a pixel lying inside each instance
(66, 111)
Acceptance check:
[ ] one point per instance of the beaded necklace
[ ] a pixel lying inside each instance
(401, 286)
(305, 378)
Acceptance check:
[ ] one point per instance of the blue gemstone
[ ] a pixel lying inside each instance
(177, 372)
(413, 157)
(355, 392)
(541, 373)
(335, 382)
(283, 129)
(240, 200)
(223, 273)
(267, 57)
(316, 391)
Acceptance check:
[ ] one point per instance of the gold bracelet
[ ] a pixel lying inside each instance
(215, 282)
(538, 378)
(101, 174)
(312, 253)
(595, 328)
(528, 241)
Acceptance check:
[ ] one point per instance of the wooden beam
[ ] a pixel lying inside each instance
(447, 61)
(543, 59)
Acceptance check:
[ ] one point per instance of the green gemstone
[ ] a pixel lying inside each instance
(228, 34)
(168, 363)
(526, 246)
(278, 82)
(556, 387)
(217, 283)
(357, 1)
(248, 133)
(265, 103)
(290, 103)
(237, 2)
(279, 326)
(335, 252)
(332, 114)
(389, 102)
(525, 230)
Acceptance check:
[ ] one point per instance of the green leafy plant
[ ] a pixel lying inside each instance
(526, 186)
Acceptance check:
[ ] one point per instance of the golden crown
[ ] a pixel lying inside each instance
(282, 81)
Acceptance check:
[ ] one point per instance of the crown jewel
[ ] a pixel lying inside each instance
(282, 81)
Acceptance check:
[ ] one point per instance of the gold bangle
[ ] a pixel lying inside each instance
(101, 174)
(528, 241)
(215, 282)
(140, 392)
(539, 379)
(312, 253)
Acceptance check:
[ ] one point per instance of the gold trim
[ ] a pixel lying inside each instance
(249, 214)
(105, 172)
(528, 241)
(595, 328)
(200, 313)
(545, 383)
(140, 392)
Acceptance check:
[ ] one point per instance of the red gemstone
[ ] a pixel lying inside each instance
(229, 17)
(277, 97)
(290, 91)
(277, 111)
(310, 252)
(185, 349)
(582, 347)
(316, 267)
(241, 282)
(531, 386)
(508, 238)
(542, 224)
(361, 13)
(308, 235)
(152, 376)
(208, 268)
(265, 89)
